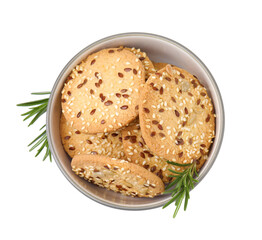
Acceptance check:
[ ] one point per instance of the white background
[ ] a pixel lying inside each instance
(38, 39)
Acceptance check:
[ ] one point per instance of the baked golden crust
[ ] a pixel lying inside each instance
(76, 142)
(104, 91)
(117, 175)
(176, 115)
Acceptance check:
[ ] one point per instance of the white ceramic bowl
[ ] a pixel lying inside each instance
(159, 49)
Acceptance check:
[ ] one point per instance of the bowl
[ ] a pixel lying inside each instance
(159, 49)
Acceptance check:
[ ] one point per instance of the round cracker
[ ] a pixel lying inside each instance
(176, 116)
(103, 93)
(76, 142)
(117, 175)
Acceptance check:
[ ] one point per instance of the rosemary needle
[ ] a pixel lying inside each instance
(36, 110)
(181, 185)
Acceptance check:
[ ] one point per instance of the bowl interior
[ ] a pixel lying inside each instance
(159, 49)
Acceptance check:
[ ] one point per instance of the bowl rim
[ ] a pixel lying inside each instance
(134, 34)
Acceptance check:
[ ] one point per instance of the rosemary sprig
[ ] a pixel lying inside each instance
(37, 109)
(181, 185)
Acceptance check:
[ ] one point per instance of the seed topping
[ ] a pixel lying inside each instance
(121, 75)
(124, 107)
(153, 134)
(108, 103)
(78, 115)
(146, 110)
(92, 112)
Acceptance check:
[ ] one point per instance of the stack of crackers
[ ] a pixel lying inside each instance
(123, 117)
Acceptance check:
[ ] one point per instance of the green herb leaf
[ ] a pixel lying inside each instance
(173, 183)
(179, 164)
(38, 102)
(36, 110)
(40, 93)
(42, 139)
(178, 204)
(173, 171)
(43, 133)
(181, 185)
